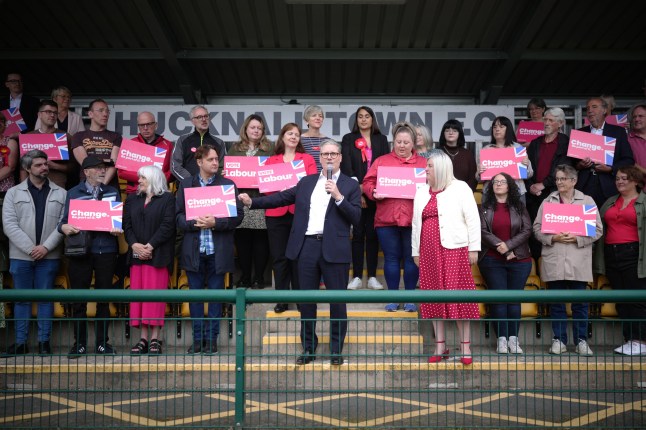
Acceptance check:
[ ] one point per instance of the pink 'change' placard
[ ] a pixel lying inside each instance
(399, 182)
(507, 160)
(218, 201)
(54, 145)
(95, 215)
(529, 130)
(133, 155)
(279, 177)
(579, 220)
(600, 149)
(243, 170)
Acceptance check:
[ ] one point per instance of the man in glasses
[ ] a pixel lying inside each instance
(47, 116)
(183, 164)
(147, 125)
(327, 204)
(98, 141)
(27, 105)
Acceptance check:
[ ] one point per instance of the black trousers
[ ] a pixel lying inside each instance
(80, 271)
(364, 239)
(285, 270)
(253, 252)
(311, 266)
(621, 270)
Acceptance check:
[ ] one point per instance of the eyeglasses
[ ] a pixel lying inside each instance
(49, 112)
(331, 155)
(201, 117)
(500, 182)
(146, 125)
(561, 179)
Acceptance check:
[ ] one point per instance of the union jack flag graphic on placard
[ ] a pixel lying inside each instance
(262, 160)
(63, 149)
(590, 224)
(15, 123)
(298, 164)
(230, 192)
(117, 218)
(420, 172)
(609, 152)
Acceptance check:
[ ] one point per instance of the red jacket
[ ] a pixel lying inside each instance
(310, 168)
(132, 178)
(391, 212)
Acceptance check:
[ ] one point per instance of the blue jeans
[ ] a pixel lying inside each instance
(396, 244)
(206, 272)
(503, 275)
(559, 315)
(33, 275)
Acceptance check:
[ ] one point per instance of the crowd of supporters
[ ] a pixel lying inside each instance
(435, 236)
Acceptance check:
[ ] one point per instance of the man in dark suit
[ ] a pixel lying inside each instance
(598, 180)
(27, 105)
(320, 241)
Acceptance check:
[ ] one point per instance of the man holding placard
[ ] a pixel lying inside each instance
(30, 213)
(147, 125)
(208, 213)
(100, 259)
(58, 168)
(596, 179)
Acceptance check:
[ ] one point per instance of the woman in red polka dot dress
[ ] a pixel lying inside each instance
(445, 242)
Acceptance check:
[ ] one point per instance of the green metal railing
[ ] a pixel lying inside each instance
(241, 298)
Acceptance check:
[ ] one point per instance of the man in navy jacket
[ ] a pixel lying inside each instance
(320, 241)
(207, 249)
(598, 180)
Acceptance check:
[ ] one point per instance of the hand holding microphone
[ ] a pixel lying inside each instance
(329, 177)
(330, 185)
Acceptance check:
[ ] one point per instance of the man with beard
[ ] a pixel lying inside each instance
(30, 215)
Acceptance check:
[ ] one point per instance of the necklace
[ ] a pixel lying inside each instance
(452, 155)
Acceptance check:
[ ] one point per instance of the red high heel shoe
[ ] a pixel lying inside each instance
(438, 358)
(466, 360)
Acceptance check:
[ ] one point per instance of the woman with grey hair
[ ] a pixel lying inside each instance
(567, 263)
(445, 243)
(423, 141)
(312, 138)
(67, 121)
(149, 228)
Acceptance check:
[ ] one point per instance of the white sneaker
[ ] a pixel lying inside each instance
(632, 348)
(355, 284)
(558, 347)
(583, 349)
(514, 347)
(502, 345)
(374, 284)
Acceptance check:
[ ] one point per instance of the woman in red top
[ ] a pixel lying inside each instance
(394, 216)
(288, 148)
(505, 260)
(621, 253)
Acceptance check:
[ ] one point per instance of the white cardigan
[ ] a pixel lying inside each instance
(457, 213)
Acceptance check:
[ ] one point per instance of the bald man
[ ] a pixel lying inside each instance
(147, 125)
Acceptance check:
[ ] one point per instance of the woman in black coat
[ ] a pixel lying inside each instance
(149, 228)
(360, 148)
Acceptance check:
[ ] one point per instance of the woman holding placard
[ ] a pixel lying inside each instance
(251, 239)
(502, 136)
(566, 260)
(393, 216)
(620, 253)
(361, 148)
(445, 242)
(505, 261)
(149, 228)
(279, 220)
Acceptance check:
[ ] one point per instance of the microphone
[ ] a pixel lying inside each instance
(329, 173)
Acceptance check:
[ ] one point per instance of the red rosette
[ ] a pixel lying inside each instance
(361, 144)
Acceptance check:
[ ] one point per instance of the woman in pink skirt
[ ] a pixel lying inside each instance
(445, 242)
(149, 226)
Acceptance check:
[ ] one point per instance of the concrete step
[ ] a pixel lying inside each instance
(360, 344)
